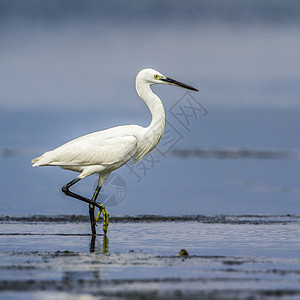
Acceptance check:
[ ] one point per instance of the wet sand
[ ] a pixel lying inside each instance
(230, 257)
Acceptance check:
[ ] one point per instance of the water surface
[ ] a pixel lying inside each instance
(228, 256)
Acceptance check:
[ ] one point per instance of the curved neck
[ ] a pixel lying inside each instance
(156, 128)
(154, 104)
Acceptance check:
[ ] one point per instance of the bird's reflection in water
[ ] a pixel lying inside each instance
(92, 273)
(105, 244)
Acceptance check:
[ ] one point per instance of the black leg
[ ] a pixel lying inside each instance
(67, 192)
(92, 202)
(92, 210)
(93, 240)
(92, 218)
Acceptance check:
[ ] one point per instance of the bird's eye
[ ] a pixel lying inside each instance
(156, 76)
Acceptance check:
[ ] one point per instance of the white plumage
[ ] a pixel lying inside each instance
(105, 151)
(96, 152)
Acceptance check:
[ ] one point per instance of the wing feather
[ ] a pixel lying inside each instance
(93, 149)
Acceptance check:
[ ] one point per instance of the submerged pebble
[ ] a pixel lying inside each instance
(183, 252)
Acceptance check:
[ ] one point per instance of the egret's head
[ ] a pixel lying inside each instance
(153, 77)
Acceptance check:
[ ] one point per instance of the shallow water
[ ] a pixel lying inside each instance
(230, 257)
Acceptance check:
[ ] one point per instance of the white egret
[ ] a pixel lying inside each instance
(104, 151)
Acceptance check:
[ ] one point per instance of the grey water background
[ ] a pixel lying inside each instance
(68, 68)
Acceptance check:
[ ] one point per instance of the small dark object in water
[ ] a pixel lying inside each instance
(183, 252)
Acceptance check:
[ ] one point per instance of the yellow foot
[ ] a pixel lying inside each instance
(105, 218)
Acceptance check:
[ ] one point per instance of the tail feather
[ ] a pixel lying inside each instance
(42, 160)
(35, 161)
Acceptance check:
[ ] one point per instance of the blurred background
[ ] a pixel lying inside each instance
(68, 68)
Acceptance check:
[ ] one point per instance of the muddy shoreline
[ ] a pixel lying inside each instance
(230, 257)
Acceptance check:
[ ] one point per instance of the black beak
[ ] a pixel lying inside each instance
(183, 85)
